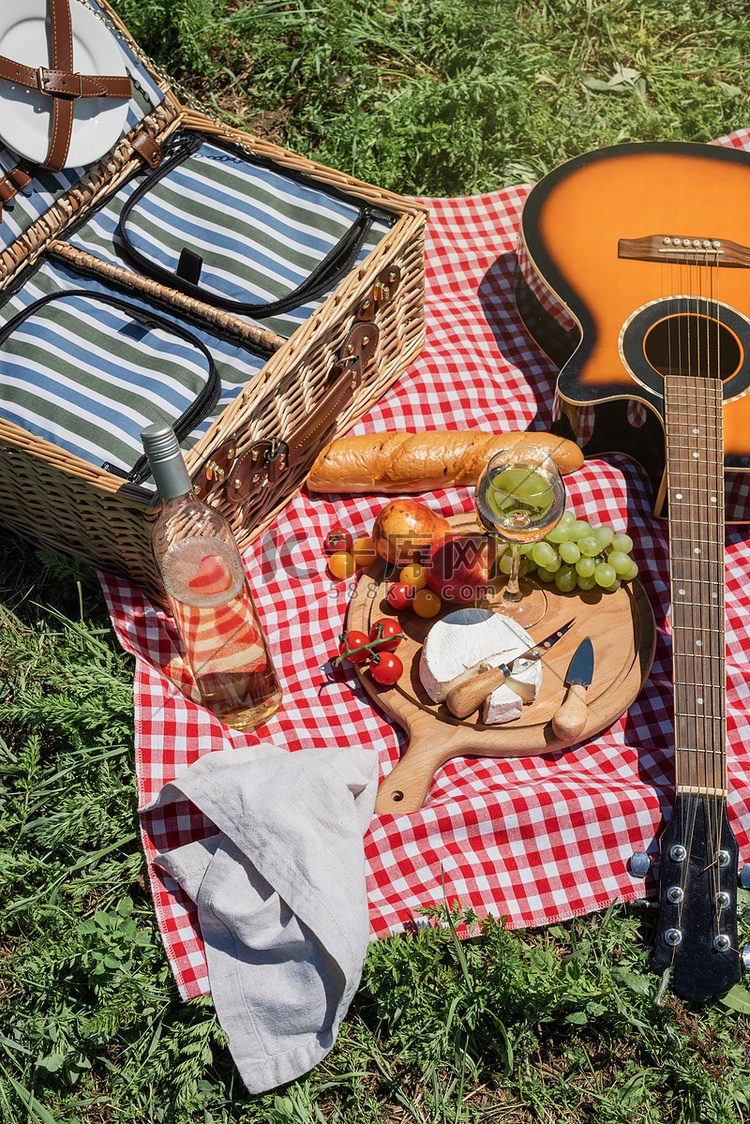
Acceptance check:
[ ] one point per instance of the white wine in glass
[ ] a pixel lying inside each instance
(519, 498)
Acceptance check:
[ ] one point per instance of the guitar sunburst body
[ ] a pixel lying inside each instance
(593, 310)
(634, 277)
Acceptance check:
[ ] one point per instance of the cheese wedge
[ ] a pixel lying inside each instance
(477, 639)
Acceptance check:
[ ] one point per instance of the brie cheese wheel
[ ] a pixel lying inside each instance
(472, 637)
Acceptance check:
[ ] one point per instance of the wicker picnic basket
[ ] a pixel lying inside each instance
(316, 382)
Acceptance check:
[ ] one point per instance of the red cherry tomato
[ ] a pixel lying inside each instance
(399, 595)
(386, 668)
(386, 629)
(351, 640)
(338, 538)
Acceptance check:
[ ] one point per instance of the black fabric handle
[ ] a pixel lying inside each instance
(335, 266)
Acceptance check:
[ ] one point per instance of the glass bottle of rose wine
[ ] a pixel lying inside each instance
(208, 593)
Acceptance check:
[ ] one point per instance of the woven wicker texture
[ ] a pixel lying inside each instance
(59, 500)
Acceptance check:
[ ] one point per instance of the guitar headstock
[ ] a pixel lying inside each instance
(697, 926)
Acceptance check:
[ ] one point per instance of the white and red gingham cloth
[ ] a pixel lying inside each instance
(535, 839)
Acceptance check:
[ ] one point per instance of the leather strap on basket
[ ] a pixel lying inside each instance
(148, 148)
(12, 182)
(65, 83)
(252, 484)
(61, 83)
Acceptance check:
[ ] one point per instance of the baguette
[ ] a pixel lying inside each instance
(421, 462)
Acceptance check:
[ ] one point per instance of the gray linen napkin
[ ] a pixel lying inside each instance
(281, 896)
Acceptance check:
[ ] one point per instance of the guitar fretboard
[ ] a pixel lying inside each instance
(695, 480)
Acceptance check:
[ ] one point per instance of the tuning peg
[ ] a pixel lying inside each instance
(641, 863)
(745, 957)
(745, 877)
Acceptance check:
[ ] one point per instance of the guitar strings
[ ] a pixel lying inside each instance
(677, 285)
(689, 336)
(715, 803)
(710, 370)
(705, 743)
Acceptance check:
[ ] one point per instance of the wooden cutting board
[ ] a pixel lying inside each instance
(622, 630)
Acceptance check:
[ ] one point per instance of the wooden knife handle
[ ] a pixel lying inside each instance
(464, 699)
(570, 718)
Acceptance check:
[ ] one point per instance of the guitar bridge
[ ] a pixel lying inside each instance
(684, 250)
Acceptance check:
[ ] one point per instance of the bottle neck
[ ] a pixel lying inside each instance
(171, 478)
(164, 455)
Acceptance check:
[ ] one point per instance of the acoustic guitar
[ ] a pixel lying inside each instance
(634, 276)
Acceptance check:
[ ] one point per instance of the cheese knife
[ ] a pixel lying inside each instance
(466, 696)
(570, 718)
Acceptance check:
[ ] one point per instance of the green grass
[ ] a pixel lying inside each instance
(441, 97)
(564, 1024)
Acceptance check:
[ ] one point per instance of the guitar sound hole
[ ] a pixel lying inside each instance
(691, 344)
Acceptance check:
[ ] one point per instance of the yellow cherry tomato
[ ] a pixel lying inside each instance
(342, 564)
(364, 551)
(426, 603)
(414, 575)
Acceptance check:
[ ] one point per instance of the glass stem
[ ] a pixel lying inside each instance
(512, 590)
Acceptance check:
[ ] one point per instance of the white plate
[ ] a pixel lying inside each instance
(26, 115)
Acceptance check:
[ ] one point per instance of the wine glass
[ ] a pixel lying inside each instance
(519, 498)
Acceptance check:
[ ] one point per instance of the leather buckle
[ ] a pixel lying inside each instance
(386, 284)
(41, 71)
(264, 463)
(358, 349)
(278, 460)
(215, 470)
(261, 466)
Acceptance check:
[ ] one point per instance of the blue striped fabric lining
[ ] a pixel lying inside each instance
(87, 377)
(259, 233)
(35, 200)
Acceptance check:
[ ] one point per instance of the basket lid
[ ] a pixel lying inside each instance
(27, 111)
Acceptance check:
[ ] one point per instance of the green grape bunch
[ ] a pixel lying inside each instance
(577, 555)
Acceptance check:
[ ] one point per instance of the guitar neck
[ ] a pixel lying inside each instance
(695, 482)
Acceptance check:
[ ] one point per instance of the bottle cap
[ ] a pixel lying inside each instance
(165, 457)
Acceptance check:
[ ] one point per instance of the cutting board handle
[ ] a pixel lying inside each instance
(406, 786)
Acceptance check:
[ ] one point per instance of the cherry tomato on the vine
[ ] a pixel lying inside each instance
(351, 640)
(389, 630)
(364, 551)
(341, 564)
(386, 668)
(337, 539)
(400, 595)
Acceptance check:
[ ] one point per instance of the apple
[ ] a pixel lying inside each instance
(405, 530)
(458, 568)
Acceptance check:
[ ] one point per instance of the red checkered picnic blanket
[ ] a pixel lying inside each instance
(535, 839)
